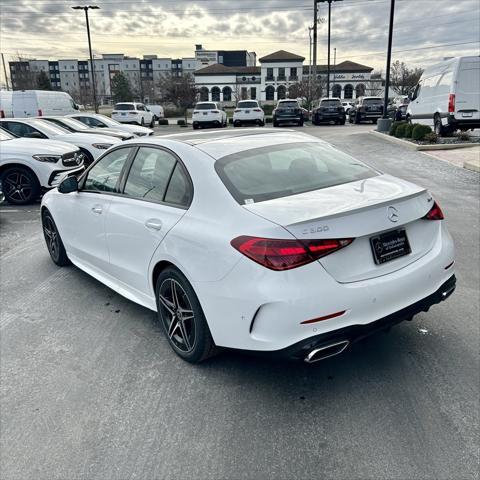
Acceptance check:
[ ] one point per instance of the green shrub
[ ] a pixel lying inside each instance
(431, 137)
(268, 120)
(394, 126)
(409, 130)
(268, 109)
(163, 121)
(181, 123)
(173, 112)
(419, 131)
(401, 130)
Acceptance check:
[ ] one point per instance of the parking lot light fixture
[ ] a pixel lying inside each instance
(329, 29)
(86, 8)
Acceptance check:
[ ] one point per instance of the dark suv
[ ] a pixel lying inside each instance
(329, 110)
(288, 111)
(366, 108)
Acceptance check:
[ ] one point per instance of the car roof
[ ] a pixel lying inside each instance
(196, 138)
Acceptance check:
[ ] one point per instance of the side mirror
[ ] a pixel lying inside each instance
(76, 107)
(68, 185)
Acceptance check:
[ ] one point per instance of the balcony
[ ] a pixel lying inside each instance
(293, 78)
(281, 78)
(270, 78)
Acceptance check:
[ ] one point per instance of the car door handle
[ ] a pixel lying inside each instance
(154, 224)
(97, 209)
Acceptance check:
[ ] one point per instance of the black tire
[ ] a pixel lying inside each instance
(342, 122)
(438, 128)
(350, 120)
(152, 123)
(275, 123)
(261, 123)
(374, 121)
(142, 122)
(53, 240)
(300, 123)
(357, 119)
(195, 127)
(236, 123)
(181, 315)
(20, 186)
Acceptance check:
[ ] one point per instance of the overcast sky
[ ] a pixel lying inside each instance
(49, 29)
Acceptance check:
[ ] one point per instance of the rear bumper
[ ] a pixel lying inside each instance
(288, 118)
(463, 122)
(328, 117)
(354, 333)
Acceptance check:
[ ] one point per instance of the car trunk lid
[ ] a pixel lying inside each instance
(359, 210)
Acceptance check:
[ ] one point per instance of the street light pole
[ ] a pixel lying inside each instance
(315, 28)
(92, 67)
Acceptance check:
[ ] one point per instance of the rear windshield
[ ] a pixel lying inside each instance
(372, 101)
(124, 106)
(279, 171)
(288, 105)
(247, 104)
(205, 106)
(330, 103)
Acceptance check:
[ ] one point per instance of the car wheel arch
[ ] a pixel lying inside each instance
(16, 164)
(161, 265)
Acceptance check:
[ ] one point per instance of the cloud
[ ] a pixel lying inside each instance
(171, 28)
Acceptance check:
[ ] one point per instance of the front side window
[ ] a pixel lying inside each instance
(149, 174)
(279, 171)
(104, 175)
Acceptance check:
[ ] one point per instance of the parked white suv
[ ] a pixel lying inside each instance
(248, 112)
(97, 120)
(447, 96)
(207, 114)
(91, 145)
(28, 166)
(133, 112)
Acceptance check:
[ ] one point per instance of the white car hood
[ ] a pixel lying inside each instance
(34, 146)
(86, 138)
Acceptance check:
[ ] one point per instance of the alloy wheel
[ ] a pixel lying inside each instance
(177, 315)
(51, 237)
(17, 186)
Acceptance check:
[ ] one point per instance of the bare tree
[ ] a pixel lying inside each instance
(375, 86)
(404, 79)
(180, 91)
(308, 91)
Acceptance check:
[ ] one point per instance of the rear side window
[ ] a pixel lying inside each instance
(104, 175)
(205, 106)
(149, 174)
(279, 171)
(178, 191)
(124, 106)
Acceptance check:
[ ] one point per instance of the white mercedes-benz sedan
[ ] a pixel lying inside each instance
(260, 240)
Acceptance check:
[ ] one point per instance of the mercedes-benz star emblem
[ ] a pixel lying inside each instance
(392, 214)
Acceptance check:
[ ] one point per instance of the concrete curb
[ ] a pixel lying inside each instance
(414, 146)
(473, 165)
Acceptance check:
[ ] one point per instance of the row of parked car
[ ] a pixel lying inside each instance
(37, 152)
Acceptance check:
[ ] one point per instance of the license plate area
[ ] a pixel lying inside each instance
(467, 114)
(389, 246)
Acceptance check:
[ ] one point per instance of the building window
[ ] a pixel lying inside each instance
(293, 73)
(281, 92)
(269, 73)
(204, 94)
(360, 90)
(337, 91)
(281, 73)
(244, 93)
(253, 93)
(227, 94)
(269, 93)
(215, 94)
(348, 91)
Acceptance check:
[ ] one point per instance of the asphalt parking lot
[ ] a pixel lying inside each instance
(90, 388)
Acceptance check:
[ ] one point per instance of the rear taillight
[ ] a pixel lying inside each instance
(132, 113)
(215, 111)
(237, 111)
(196, 111)
(286, 254)
(257, 109)
(39, 112)
(435, 213)
(451, 103)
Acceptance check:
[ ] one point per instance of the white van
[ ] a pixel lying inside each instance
(35, 103)
(447, 97)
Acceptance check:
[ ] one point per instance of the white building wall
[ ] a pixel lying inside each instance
(276, 82)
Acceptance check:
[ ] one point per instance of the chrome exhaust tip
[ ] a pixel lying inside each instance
(327, 351)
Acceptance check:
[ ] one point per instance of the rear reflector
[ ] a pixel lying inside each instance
(451, 103)
(257, 109)
(326, 317)
(286, 254)
(435, 213)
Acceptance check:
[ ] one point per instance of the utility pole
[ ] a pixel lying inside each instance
(315, 28)
(384, 123)
(5, 72)
(329, 32)
(334, 65)
(92, 67)
(310, 29)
